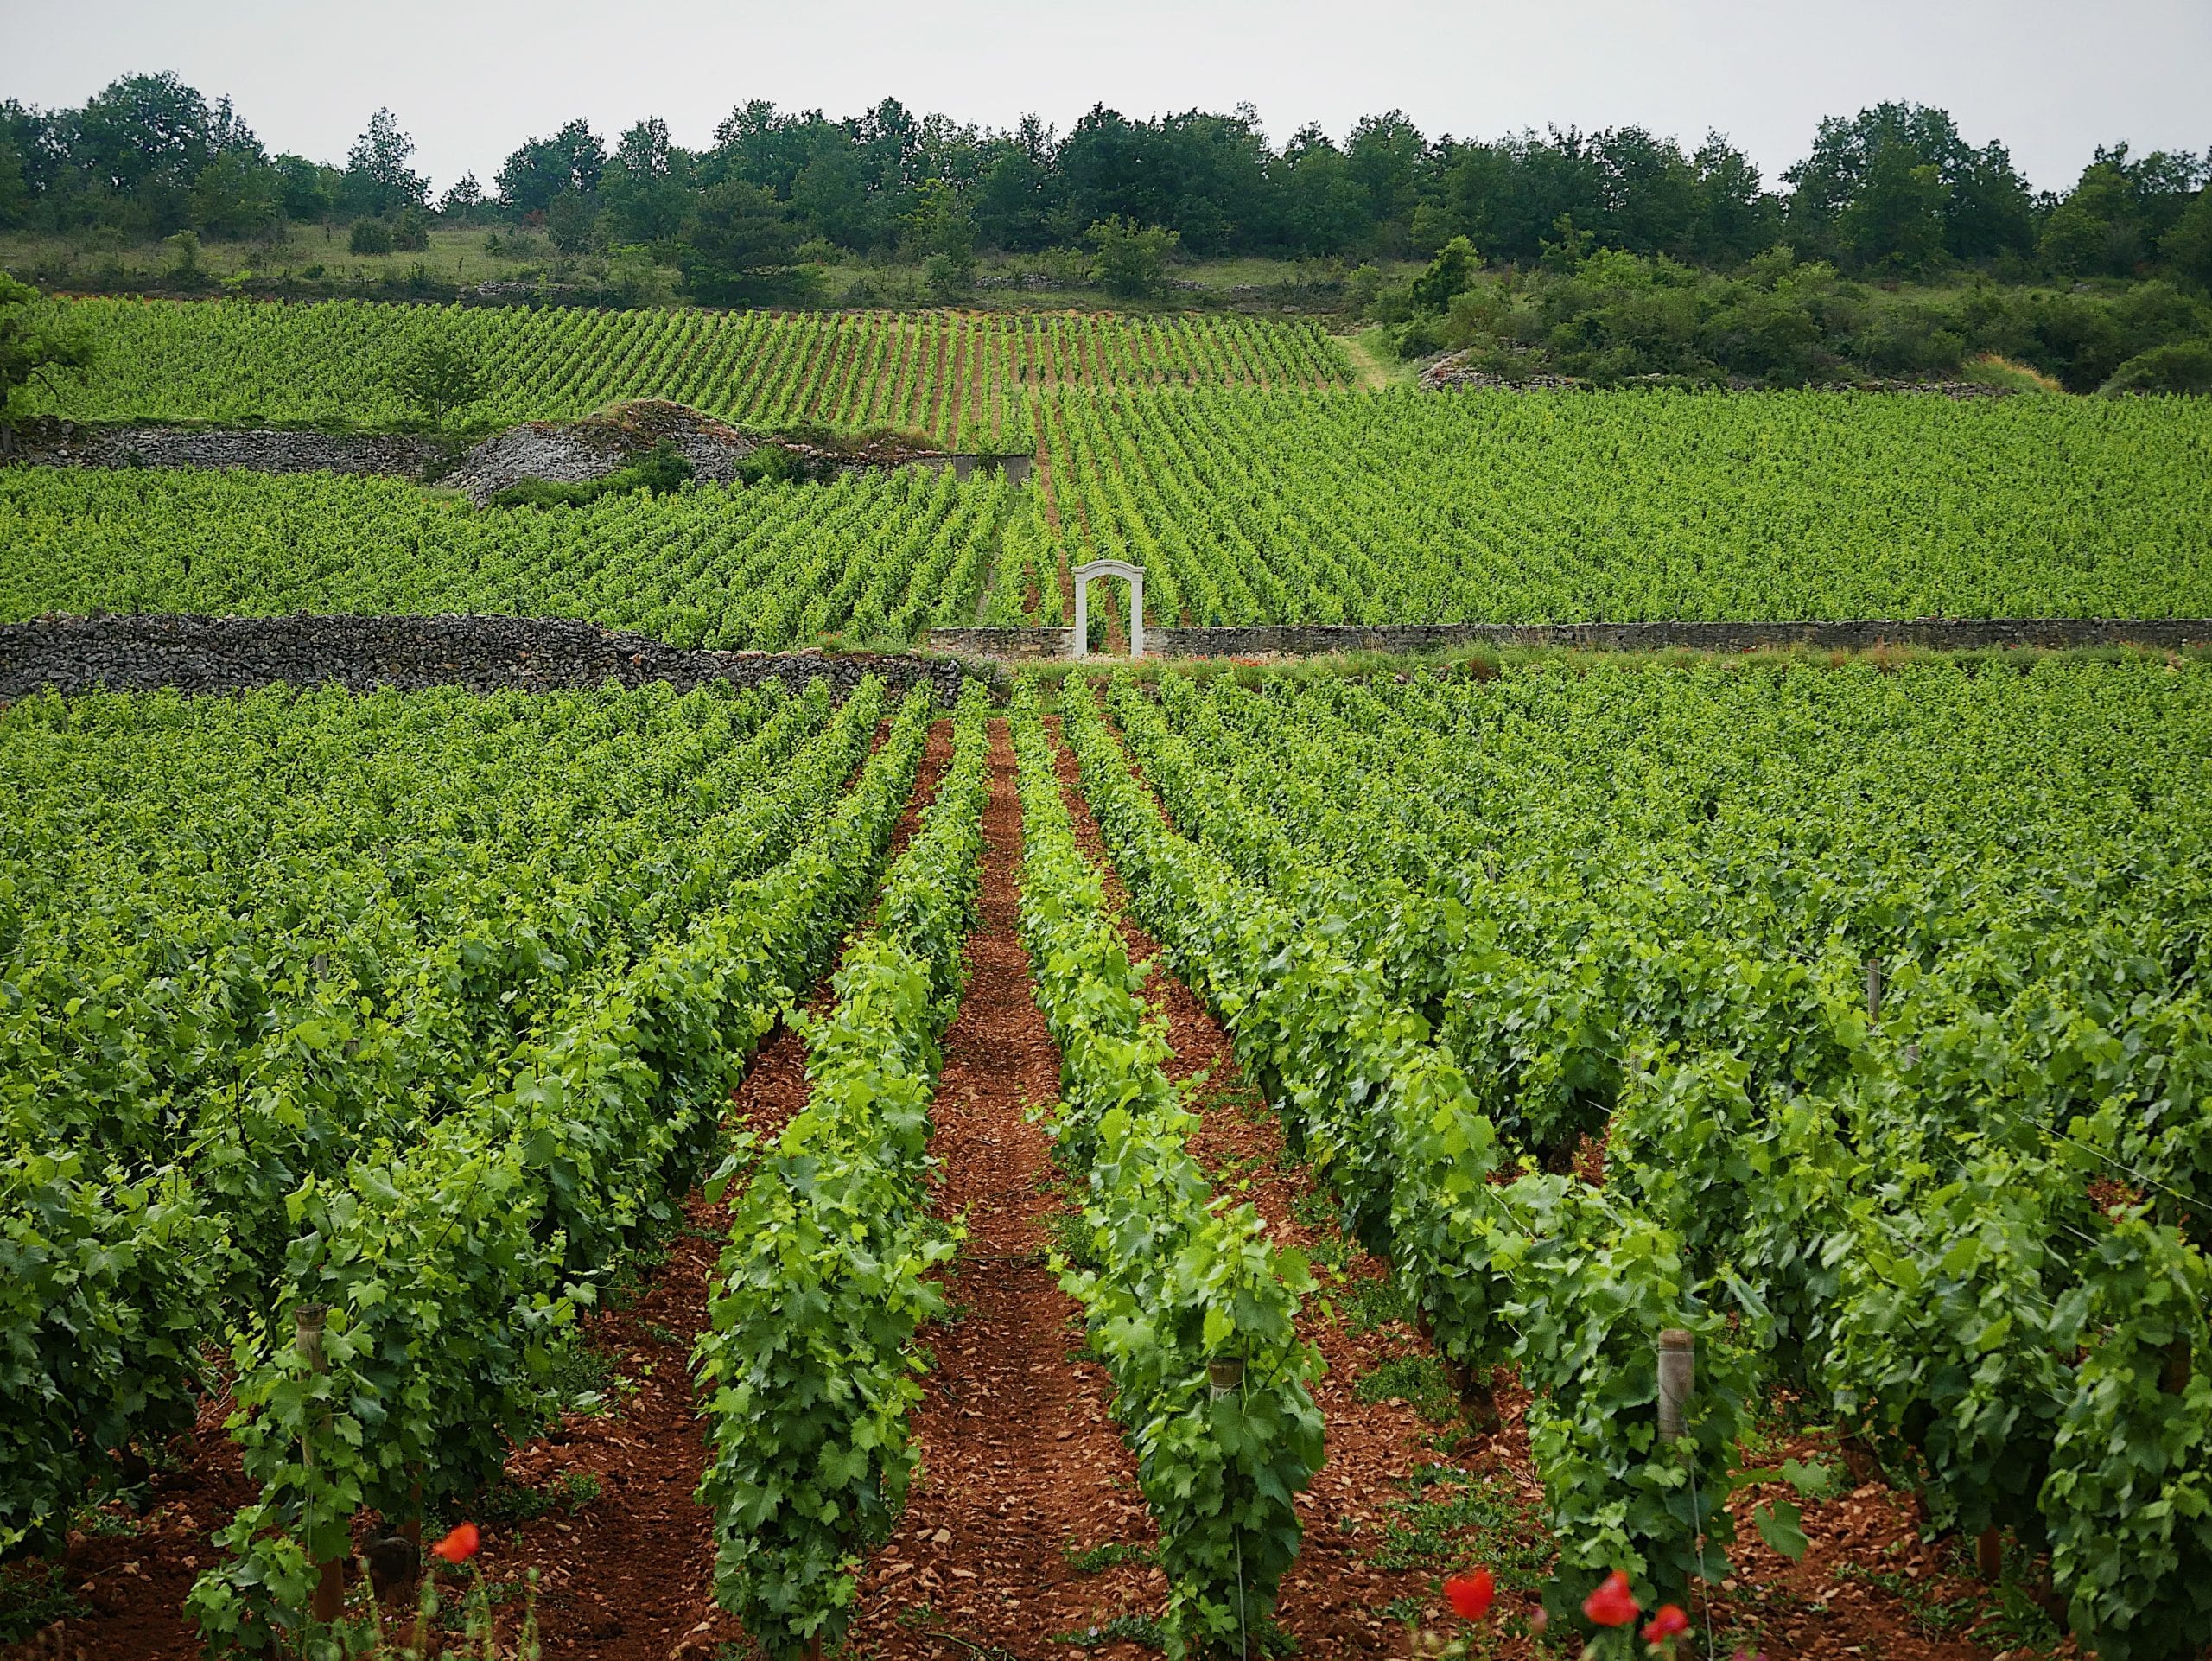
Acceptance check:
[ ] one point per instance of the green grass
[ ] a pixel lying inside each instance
(31, 1598)
(514, 1502)
(1368, 1303)
(1121, 1629)
(1420, 1381)
(1452, 1517)
(1110, 1554)
(1377, 360)
(102, 259)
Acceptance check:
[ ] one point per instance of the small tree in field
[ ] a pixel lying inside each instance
(437, 377)
(1132, 258)
(34, 345)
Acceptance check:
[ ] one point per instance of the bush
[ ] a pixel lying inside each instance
(660, 471)
(950, 276)
(369, 236)
(1131, 262)
(410, 232)
(2181, 366)
(768, 464)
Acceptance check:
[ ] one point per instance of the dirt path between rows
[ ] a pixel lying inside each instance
(1867, 1586)
(629, 1576)
(625, 1555)
(1022, 1465)
(1371, 1563)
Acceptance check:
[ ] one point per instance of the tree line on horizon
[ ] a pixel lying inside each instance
(1892, 192)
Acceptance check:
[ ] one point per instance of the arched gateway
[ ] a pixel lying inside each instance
(1132, 574)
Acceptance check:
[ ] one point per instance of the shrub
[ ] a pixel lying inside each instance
(410, 232)
(1133, 259)
(659, 472)
(369, 236)
(2180, 366)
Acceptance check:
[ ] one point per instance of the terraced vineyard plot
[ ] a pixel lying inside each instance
(879, 554)
(1631, 507)
(968, 380)
(1639, 906)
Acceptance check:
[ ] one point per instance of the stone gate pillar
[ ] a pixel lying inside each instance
(1132, 574)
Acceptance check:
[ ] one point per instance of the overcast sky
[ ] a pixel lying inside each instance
(470, 78)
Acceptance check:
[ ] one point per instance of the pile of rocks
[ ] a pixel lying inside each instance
(573, 452)
(485, 654)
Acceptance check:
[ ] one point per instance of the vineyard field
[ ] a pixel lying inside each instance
(1518, 507)
(1202, 1158)
(968, 380)
(1242, 507)
(880, 554)
(1882, 994)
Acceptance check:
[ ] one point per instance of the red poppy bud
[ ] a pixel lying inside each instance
(459, 1546)
(1669, 1621)
(1612, 1604)
(1470, 1594)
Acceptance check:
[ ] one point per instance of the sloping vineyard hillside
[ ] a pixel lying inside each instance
(968, 380)
(881, 553)
(1246, 506)
(1633, 506)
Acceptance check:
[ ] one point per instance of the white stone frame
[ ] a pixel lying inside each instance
(1132, 574)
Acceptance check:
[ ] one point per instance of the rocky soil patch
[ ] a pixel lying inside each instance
(485, 654)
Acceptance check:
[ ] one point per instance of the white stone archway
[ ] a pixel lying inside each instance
(1132, 574)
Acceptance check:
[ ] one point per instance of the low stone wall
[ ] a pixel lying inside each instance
(1950, 634)
(485, 654)
(1007, 644)
(62, 444)
(1294, 640)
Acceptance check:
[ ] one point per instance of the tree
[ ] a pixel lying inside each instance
(1384, 157)
(2188, 246)
(1894, 223)
(572, 160)
(1132, 262)
(572, 222)
(37, 343)
(1736, 218)
(1452, 272)
(378, 179)
(438, 377)
(236, 195)
(1015, 194)
(1322, 207)
(463, 200)
(1983, 210)
(305, 191)
(737, 244)
(942, 227)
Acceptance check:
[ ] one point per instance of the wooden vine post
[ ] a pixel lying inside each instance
(1677, 1380)
(1677, 1384)
(330, 1601)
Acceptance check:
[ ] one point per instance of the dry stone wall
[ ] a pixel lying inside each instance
(65, 444)
(1294, 640)
(485, 654)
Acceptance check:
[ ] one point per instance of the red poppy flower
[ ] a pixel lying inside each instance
(1669, 1621)
(459, 1546)
(1612, 1604)
(1470, 1594)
